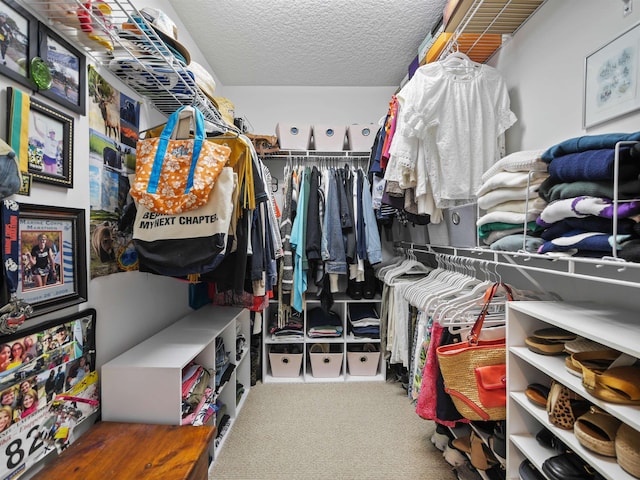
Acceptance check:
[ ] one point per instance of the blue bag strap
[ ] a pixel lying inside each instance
(197, 146)
(163, 144)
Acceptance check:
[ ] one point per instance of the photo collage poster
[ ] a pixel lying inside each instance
(48, 386)
(113, 132)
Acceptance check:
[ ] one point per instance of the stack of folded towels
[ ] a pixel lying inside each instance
(579, 191)
(508, 196)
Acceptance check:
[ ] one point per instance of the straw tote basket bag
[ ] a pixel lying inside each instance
(176, 175)
(474, 371)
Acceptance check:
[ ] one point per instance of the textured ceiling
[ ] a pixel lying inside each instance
(309, 42)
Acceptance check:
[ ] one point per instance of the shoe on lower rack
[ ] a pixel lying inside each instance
(568, 466)
(467, 472)
(453, 456)
(528, 471)
(440, 440)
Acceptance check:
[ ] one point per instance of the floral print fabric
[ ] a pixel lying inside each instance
(171, 196)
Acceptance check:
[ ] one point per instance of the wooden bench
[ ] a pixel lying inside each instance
(133, 451)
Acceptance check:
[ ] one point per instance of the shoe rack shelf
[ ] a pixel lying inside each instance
(464, 430)
(143, 384)
(613, 327)
(302, 346)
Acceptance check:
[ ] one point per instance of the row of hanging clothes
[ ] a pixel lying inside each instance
(329, 233)
(443, 130)
(425, 307)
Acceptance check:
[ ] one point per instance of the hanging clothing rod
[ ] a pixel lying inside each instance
(510, 262)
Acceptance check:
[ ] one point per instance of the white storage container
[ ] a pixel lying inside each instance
(461, 225)
(360, 136)
(293, 136)
(438, 233)
(326, 365)
(329, 137)
(363, 363)
(285, 365)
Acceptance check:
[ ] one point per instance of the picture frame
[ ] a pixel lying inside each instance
(18, 42)
(68, 70)
(611, 79)
(53, 363)
(48, 161)
(52, 275)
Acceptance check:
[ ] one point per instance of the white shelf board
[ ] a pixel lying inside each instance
(365, 378)
(271, 379)
(615, 327)
(554, 367)
(270, 340)
(605, 465)
(530, 448)
(212, 318)
(309, 339)
(169, 349)
(353, 339)
(309, 378)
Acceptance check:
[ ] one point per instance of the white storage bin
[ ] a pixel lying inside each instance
(326, 365)
(293, 136)
(285, 365)
(360, 136)
(363, 363)
(438, 233)
(329, 137)
(461, 225)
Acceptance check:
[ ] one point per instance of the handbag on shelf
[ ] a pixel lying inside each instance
(175, 174)
(187, 243)
(474, 371)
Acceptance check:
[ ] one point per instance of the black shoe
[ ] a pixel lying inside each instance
(568, 466)
(498, 441)
(528, 471)
(549, 440)
(354, 289)
(370, 283)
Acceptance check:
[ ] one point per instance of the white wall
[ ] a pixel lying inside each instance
(130, 306)
(264, 107)
(543, 65)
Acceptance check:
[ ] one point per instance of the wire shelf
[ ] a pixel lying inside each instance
(117, 37)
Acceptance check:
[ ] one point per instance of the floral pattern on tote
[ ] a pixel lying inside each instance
(170, 197)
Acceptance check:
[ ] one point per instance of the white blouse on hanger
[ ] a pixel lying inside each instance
(459, 119)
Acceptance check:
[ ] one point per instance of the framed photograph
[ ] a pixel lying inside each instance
(611, 79)
(53, 261)
(68, 70)
(18, 41)
(50, 141)
(48, 388)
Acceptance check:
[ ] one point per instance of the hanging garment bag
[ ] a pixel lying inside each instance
(176, 175)
(187, 243)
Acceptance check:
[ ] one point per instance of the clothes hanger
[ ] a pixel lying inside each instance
(384, 268)
(408, 266)
(459, 63)
(440, 280)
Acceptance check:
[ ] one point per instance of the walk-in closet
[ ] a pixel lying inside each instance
(319, 240)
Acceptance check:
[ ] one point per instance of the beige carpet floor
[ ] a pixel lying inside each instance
(338, 431)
